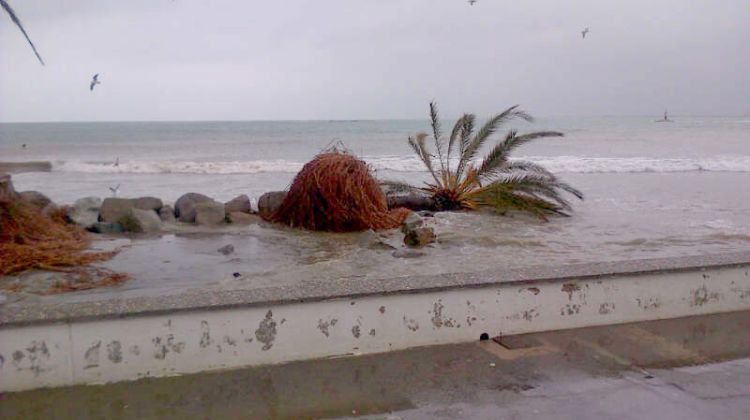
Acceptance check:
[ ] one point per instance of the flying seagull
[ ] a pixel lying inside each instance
(114, 190)
(17, 21)
(95, 81)
(471, 2)
(584, 32)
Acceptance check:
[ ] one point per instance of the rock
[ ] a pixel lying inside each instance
(370, 239)
(240, 204)
(35, 198)
(269, 202)
(411, 201)
(412, 221)
(106, 228)
(85, 211)
(209, 213)
(184, 207)
(115, 208)
(238, 218)
(148, 203)
(407, 253)
(226, 249)
(419, 237)
(7, 193)
(140, 221)
(166, 214)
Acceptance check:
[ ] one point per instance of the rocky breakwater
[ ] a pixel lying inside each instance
(150, 214)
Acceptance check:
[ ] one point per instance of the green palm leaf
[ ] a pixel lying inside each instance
(499, 154)
(489, 128)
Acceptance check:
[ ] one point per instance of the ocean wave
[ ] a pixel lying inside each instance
(556, 164)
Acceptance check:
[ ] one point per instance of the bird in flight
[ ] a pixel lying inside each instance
(584, 32)
(471, 2)
(95, 81)
(115, 190)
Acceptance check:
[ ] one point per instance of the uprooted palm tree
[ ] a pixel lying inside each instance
(496, 182)
(17, 21)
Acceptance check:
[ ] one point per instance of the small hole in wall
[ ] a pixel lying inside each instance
(484, 337)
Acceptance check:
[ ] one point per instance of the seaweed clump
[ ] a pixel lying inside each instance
(32, 240)
(336, 192)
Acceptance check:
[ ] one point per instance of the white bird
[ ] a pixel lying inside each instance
(584, 32)
(115, 190)
(94, 81)
(117, 161)
(471, 2)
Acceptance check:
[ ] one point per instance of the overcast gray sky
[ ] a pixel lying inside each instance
(370, 59)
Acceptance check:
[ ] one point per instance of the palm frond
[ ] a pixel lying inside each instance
(498, 156)
(452, 140)
(437, 134)
(537, 190)
(519, 166)
(420, 148)
(18, 23)
(489, 128)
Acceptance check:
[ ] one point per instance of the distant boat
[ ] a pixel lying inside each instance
(665, 119)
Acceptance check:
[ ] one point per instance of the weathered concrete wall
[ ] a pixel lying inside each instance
(116, 349)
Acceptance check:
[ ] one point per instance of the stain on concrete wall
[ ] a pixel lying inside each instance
(266, 332)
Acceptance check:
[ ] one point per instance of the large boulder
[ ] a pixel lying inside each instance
(184, 207)
(148, 203)
(239, 218)
(35, 198)
(269, 202)
(115, 208)
(239, 204)
(140, 221)
(85, 211)
(166, 214)
(209, 213)
(106, 228)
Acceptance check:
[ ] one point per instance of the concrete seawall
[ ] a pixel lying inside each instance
(45, 344)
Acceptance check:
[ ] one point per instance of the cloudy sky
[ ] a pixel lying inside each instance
(370, 59)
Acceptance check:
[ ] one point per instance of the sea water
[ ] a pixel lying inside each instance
(651, 189)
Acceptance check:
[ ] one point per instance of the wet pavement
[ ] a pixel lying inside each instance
(689, 368)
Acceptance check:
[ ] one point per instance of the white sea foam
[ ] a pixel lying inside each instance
(558, 164)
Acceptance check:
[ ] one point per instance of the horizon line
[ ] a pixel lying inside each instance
(358, 119)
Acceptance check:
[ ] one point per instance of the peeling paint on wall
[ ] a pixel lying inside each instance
(92, 355)
(205, 335)
(114, 352)
(266, 332)
(324, 326)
